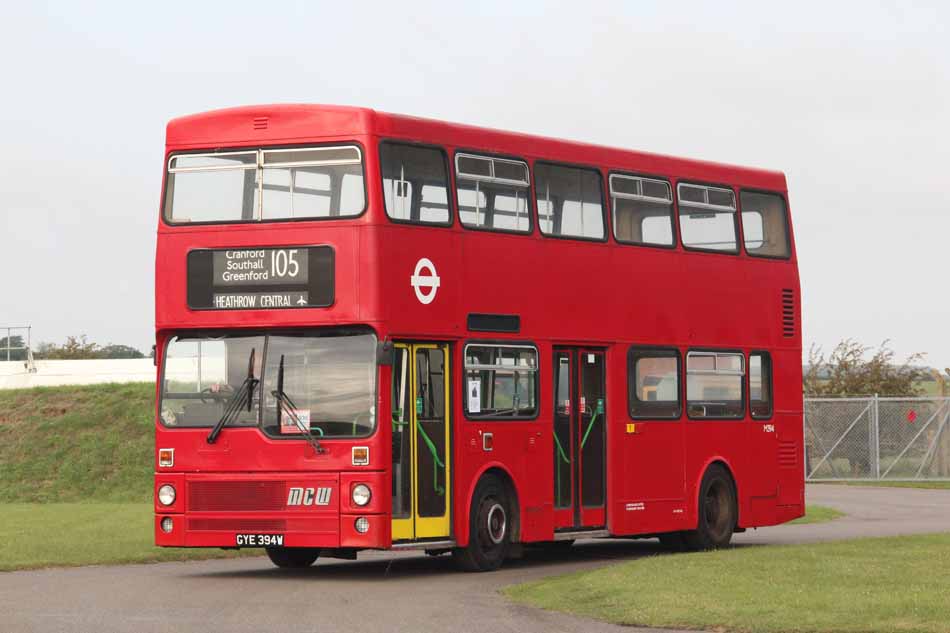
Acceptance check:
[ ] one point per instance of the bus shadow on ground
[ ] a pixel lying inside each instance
(384, 566)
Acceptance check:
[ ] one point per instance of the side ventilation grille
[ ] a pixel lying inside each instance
(788, 313)
(787, 454)
(260, 122)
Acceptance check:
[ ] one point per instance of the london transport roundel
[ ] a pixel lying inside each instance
(425, 281)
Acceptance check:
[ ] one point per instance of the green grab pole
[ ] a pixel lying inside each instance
(589, 427)
(557, 471)
(436, 462)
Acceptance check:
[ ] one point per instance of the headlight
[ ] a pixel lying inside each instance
(361, 494)
(166, 495)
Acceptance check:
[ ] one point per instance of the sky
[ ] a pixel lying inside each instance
(850, 99)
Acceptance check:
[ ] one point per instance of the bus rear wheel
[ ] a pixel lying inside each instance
(718, 511)
(489, 535)
(293, 557)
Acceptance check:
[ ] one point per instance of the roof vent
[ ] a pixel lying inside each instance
(260, 122)
(788, 313)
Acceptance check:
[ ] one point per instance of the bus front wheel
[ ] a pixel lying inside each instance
(718, 511)
(489, 528)
(293, 557)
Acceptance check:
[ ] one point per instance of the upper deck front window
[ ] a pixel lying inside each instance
(265, 184)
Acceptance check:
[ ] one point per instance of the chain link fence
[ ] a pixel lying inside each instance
(877, 438)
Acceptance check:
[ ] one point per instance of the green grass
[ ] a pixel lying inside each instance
(861, 586)
(67, 534)
(931, 485)
(67, 444)
(76, 468)
(817, 514)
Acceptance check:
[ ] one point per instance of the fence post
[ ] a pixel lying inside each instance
(876, 437)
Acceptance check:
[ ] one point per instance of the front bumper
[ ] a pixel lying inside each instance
(307, 509)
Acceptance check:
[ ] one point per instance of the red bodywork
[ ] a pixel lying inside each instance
(603, 296)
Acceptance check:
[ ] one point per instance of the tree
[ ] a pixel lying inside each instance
(848, 372)
(120, 351)
(75, 348)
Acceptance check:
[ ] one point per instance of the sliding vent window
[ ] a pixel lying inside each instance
(653, 376)
(501, 382)
(760, 385)
(764, 228)
(707, 217)
(279, 184)
(570, 201)
(643, 210)
(316, 182)
(492, 193)
(415, 183)
(213, 188)
(714, 384)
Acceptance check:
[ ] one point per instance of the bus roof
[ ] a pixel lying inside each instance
(295, 123)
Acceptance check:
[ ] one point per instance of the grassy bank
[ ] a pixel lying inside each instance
(866, 585)
(84, 443)
(76, 477)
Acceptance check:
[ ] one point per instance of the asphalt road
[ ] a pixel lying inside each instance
(385, 591)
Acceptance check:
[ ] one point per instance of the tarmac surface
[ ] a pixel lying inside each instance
(385, 591)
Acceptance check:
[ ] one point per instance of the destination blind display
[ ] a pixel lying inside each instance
(260, 278)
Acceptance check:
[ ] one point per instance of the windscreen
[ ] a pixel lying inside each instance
(326, 383)
(265, 184)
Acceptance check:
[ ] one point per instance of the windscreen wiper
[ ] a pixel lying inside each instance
(287, 407)
(244, 395)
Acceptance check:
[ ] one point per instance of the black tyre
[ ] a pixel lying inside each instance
(718, 511)
(293, 557)
(673, 541)
(489, 535)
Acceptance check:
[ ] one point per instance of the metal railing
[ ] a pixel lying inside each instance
(8, 349)
(877, 438)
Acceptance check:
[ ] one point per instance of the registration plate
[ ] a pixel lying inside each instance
(259, 540)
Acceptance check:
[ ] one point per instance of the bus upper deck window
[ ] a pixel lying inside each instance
(708, 218)
(642, 210)
(415, 183)
(265, 184)
(492, 193)
(764, 225)
(570, 201)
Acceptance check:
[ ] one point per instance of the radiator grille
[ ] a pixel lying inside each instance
(237, 525)
(787, 455)
(236, 496)
(788, 313)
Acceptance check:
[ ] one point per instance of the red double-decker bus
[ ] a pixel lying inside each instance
(377, 331)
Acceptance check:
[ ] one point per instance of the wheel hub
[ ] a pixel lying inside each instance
(497, 523)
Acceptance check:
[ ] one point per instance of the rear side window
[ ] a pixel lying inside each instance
(653, 383)
(492, 193)
(760, 385)
(570, 201)
(714, 384)
(764, 224)
(415, 183)
(707, 218)
(643, 210)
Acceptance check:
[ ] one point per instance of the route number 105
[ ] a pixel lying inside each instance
(283, 263)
